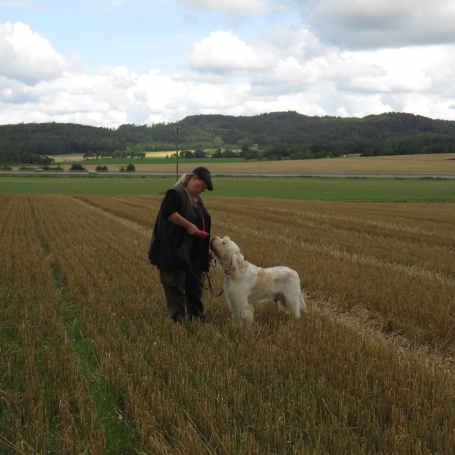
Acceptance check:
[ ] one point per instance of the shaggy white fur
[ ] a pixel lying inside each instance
(246, 284)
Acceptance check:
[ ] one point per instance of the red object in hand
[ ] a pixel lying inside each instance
(202, 234)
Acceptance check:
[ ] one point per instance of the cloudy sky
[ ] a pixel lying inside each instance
(109, 62)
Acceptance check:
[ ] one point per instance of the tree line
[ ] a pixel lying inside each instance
(279, 135)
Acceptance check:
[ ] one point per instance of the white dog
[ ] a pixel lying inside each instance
(245, 283)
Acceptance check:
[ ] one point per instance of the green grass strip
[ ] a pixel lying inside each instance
(6, 339)
(312, 188)
(120, 437)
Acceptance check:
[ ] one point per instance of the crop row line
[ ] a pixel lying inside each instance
(370, 325)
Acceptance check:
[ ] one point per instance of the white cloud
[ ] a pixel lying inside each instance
(115, 96)
(223, 51)
(26, 56)
(421, 69)
(381, 23)
(230, 6)
(296, 73)
(287, 70)
(298, 42)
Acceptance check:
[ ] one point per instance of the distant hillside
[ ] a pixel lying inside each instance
(32, 142)
(271, 136)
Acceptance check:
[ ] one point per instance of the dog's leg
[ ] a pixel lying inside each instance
(294, 300)
(281, 302)
(247, 314)
(235, 312)
(242, 311)
(228, 301)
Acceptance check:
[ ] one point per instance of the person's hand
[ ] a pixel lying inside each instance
(202, 234)
(192, 229)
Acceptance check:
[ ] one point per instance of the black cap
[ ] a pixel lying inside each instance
(204, 174)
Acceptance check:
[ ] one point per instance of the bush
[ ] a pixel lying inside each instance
(199, 153)
(77, 167)
(130, 168)
(52, 168)
(101, 169)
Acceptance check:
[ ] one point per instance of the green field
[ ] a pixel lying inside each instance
(326, 189)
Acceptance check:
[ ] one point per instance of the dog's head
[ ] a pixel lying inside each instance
(228, 253)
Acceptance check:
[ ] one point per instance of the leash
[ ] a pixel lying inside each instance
(211, 288)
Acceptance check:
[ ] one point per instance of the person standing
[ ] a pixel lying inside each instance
(180, 245)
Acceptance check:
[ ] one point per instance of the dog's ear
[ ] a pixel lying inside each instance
(237, 262)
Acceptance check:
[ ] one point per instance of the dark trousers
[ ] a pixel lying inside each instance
(183, 291)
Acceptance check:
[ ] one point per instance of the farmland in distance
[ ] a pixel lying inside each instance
(419, 164)
(90, 362)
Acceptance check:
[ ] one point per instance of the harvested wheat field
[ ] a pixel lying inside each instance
(90, 362)
(424, 164)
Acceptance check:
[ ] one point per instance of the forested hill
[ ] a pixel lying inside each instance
(274, 135)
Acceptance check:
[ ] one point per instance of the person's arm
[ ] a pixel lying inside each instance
(170, 210)
(179, 220)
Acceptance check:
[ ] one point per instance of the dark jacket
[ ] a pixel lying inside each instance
(171, 248)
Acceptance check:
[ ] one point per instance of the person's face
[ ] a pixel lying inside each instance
(196, 186)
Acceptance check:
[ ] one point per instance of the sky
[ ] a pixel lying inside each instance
(111, 62)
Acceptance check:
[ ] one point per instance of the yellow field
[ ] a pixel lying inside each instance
(80, 156)
(67, 158)
(159, 154)
(90, 362)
